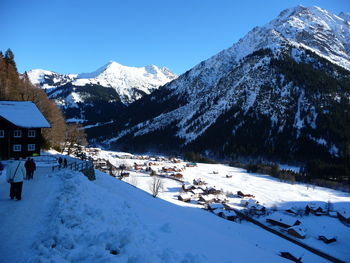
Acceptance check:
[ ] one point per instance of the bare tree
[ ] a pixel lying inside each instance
(156, 186)
(75, 137)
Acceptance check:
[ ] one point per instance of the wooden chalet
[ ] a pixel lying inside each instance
(178, 175)
(242, 195)
(20, 129)
(187, 188)
(327, 240)
(297, 231)
(283, 221)
(213, 191)
(345, 220)
(291, 211)
(229, 215)
(317, 211)
(199, 181)
(186, 197)
(206, 199)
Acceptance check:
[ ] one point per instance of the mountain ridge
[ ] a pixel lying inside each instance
(109, 89)
(253, 80)
(112, 74)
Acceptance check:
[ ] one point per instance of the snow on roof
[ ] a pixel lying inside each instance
(218, 211)
(208, 197)
(229, 213)
(283, 219)
(187, 187)
(23, 114)
(215, 206)
(299, 229)
(332, 213)
(186, 195)
(197, 191)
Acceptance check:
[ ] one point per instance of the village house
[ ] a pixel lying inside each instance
(283, 221)
(297, 231)
(343, 218)
(20, 129)
(186, 197)
(214, 206)
(188, 187)
(206, 199)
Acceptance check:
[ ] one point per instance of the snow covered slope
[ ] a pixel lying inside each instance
(289, 78)
(63, 217)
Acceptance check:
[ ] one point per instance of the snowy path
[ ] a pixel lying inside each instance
(20, 221)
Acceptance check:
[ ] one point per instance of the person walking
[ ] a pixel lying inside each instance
(65, 163)
(27, 165)
(15, 175)
(32, 168)
(60, 162)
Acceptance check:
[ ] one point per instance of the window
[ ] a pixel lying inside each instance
(31, 147)
(31, 133)
(2, 133)
(17, 147)
(17, 133)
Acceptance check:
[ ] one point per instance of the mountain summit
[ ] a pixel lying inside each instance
(130, 83)
(282, 90)
(108, 89)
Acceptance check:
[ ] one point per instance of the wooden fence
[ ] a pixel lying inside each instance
(75, 166)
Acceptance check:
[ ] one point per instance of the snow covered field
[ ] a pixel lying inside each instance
(63, 217)
(270, 192)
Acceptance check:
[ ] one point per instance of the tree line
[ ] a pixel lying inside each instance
(17, 87)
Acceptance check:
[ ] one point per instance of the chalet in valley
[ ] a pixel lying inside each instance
(20, 129)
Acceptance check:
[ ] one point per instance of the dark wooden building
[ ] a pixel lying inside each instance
(20, 129)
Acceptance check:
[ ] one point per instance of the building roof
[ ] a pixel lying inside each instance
(284, 219)
(300, 230)
(23, 114)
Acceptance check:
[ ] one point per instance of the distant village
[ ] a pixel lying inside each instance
(287, 222)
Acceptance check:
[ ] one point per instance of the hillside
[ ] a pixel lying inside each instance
(282, 91)
(63, 217)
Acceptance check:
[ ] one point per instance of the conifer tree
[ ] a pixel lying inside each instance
(10, 58)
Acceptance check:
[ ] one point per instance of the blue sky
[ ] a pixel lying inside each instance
(71, 36)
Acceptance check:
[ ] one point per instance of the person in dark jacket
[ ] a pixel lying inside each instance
(65, 163)
(60, 162)
(32, 169)
(27, 165)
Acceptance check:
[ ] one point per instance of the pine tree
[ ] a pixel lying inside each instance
(10, 58)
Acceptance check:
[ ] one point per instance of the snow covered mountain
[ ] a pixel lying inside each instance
(131, 83)
(110, 88)
(49, 79)
(283, 89)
